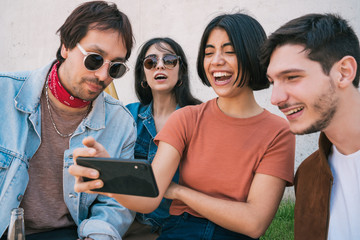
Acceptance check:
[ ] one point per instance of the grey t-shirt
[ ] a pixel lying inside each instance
(43, 202)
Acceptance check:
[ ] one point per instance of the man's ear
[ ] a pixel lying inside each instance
(347, 67)
(64, 51)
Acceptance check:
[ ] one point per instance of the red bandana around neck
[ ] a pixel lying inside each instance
(60, 92)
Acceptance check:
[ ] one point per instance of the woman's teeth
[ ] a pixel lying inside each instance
(219, 76)
(160, 76)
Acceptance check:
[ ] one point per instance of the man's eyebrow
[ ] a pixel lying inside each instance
(119, 59)
(287, 71)
(104, 54)
(97, 49)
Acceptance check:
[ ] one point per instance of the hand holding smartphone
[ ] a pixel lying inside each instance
(123, 176)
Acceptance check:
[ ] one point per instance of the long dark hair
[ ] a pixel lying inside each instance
(182, 88)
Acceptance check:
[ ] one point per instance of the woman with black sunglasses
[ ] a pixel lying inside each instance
(235, 158)
(162, 86)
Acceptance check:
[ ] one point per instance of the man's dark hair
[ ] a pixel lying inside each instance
(326, 37)
(97, 15)
(182, 88)
(246, 35)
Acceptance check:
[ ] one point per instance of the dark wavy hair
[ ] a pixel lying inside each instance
(246, 35)
(98, 15)
(327, 38)
(182, 88)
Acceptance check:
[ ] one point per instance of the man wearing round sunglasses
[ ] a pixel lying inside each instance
(47, 114)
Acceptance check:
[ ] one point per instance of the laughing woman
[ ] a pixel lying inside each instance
(235, 157)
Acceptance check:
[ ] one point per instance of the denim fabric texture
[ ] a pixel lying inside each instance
(109, 122)
(188, 227)
(58, 234)
(145, 148)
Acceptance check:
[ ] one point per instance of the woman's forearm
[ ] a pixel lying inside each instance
(251, 218)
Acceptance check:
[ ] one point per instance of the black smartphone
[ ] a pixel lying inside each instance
(123, 176)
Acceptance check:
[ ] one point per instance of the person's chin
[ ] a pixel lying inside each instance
(303, 129)
(91, 96)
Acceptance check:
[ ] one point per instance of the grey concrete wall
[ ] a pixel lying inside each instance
(28, 39)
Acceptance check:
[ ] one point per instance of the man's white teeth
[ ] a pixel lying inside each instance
(221, 74)
(293, 110)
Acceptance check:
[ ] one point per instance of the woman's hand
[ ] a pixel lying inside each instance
(172, 190)
(93, 149)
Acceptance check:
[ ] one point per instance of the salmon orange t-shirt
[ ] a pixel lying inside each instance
(220, 154)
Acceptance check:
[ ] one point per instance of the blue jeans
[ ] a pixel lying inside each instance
(188, 227)
(69, 233)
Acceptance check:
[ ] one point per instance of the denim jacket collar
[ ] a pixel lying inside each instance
(148, 111)
(96, 118)
(29, 95)
(28, 98)
(148, 119)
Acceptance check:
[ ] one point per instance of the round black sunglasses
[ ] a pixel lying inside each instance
(94, 61)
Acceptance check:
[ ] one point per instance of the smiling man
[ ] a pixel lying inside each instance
(45, 115)
(313, 64)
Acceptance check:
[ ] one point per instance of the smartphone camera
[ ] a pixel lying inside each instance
(140, 167)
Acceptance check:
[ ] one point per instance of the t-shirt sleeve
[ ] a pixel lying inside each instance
(279, 158)
(177, 129)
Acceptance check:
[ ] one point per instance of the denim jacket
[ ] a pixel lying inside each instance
(145, 148)
(109, 122)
